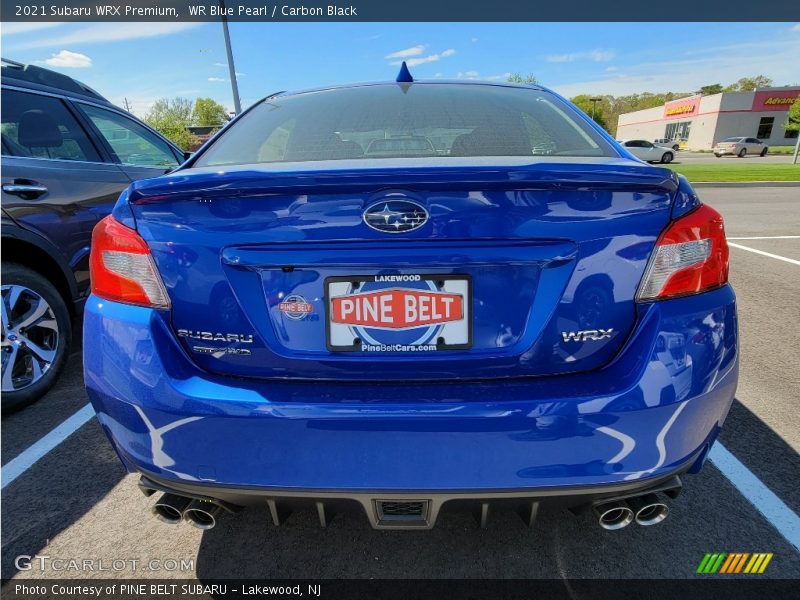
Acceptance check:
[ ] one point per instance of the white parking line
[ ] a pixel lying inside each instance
(782, 518)
(18, 465)
(783, 258)
(767, 237)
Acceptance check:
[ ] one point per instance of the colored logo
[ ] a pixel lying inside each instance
(680, 110)
(775, 100)
(734, 562)
(397, 309)
(295, 307)
(682, 107)
(779, 101)
(395, 216)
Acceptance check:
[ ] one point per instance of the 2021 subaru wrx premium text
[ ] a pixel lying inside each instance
(407, 294)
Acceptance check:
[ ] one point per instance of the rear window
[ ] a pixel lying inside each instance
(733, 139)
(411, 121)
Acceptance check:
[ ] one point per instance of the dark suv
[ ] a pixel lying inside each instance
(67, 154)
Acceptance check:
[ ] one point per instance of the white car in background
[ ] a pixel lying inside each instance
(667, 143)
(648, 152)
(741, 147)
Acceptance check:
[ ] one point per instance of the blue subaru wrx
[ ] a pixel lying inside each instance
(410, 296)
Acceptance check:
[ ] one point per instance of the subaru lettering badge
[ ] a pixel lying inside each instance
(395, 216)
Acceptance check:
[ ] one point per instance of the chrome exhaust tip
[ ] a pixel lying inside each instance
(169, 508)
(649, 509)
(202, 514)
(613, 515)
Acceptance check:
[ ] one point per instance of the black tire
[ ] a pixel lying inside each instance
(18, 275)
(742, 152)
(764, 152)
(676, 147)
(718, 155)
(666, 158)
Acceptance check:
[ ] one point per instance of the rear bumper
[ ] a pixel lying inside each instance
(651, 413)
(428, 504)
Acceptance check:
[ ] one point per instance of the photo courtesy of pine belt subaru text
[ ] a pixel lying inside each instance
(410, 297)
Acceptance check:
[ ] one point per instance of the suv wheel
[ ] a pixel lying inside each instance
(35, 338)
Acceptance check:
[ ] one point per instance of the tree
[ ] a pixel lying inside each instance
(209, 113)
(171, 117)
(748, 84)
(710, 90)
(793, 124)
(793, 117)
(518, 78)
(595, 110)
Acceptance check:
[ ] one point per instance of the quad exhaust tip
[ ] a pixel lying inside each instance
(202, 514)
(644, 510)
(169, 508)
(614, 515)
(649, 509)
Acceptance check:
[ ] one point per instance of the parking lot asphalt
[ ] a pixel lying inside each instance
(77, 502)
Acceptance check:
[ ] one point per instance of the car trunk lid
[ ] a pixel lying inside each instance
(519, 269)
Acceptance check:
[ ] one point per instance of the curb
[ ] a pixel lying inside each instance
(745, 184)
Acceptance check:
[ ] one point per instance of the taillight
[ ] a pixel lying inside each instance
(690, 256)
(122, 268)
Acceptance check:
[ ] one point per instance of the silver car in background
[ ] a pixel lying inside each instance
(667, 143)
(740, 146)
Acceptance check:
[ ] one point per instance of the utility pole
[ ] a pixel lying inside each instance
(237, 106)
(126, 105)
(594, 102)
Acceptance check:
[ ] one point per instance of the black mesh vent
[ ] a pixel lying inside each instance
(402, 513)
(402, 509)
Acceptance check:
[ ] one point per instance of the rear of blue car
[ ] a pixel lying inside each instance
(406, 296)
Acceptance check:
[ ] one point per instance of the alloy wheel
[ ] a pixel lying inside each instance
(29, 337)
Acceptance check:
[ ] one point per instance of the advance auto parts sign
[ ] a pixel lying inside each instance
(775, 100)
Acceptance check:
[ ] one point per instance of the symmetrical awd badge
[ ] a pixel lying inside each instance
(395, 216)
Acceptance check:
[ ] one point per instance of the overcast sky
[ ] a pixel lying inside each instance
(146, 61)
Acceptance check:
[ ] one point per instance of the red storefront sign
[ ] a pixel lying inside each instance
(679, 109)
(778, 100)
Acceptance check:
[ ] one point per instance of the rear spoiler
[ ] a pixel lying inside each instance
(329, 177)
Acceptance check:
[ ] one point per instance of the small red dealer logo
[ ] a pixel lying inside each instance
(397, 309)
(295, 307)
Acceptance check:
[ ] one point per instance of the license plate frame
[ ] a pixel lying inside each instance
(446, 279)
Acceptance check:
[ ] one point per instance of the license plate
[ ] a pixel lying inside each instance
(398, 313)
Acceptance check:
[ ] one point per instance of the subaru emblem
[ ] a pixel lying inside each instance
(395, 216)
